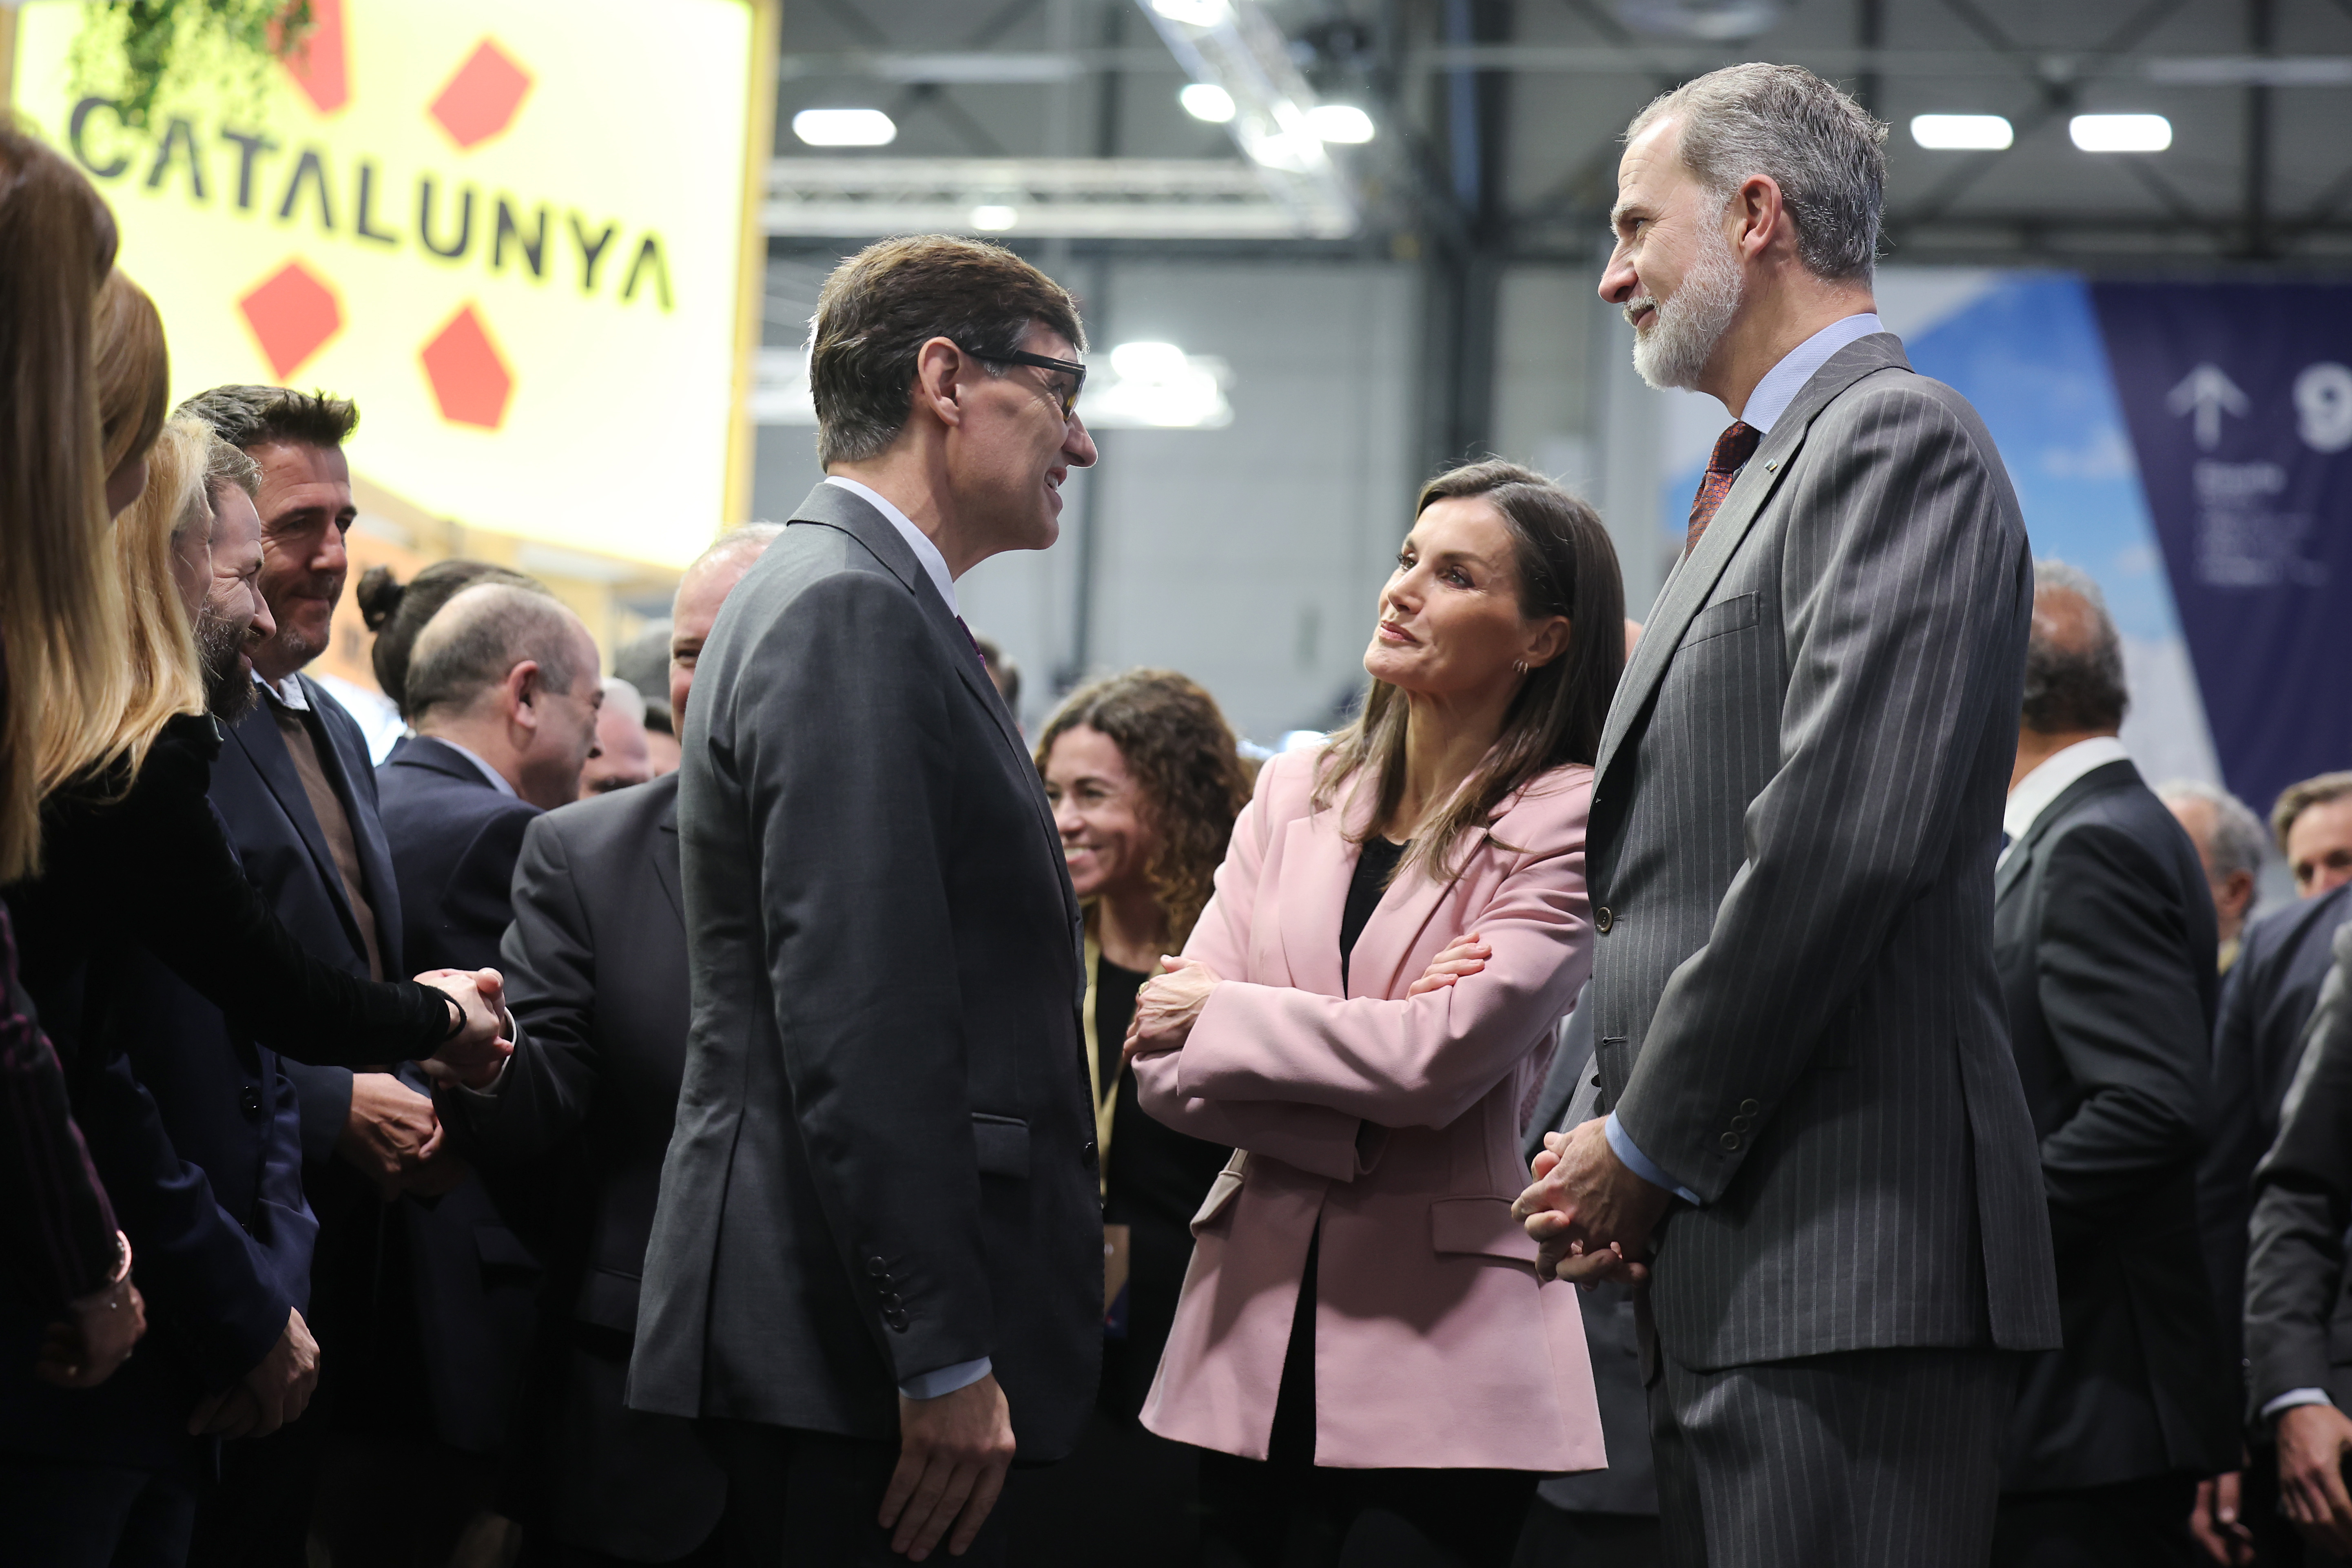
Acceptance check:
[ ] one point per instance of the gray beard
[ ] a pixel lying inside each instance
(1675, 350)
(229, 691)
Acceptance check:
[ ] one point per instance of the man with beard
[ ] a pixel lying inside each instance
(1815, 1143)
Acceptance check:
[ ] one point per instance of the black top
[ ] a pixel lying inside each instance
(153, 866)
(1365, 889)
(1115, 989)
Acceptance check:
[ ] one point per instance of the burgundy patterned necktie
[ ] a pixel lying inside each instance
(1733, 448)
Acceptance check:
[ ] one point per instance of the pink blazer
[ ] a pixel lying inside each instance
(1397, 1122)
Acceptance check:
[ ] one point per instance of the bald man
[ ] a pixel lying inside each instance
(596, 977)
(2103, 934)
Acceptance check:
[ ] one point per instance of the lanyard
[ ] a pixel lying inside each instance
(1106, 1102)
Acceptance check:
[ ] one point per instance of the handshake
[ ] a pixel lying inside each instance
(481, 1036)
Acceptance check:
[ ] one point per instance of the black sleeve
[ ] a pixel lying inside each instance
(2120, 995)
(2302, 1201)
(549, 962)
(186, 897)
(55, 1224)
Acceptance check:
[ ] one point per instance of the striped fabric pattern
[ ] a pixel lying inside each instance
(1797, 810)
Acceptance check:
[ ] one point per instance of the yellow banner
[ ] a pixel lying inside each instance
(515, 235)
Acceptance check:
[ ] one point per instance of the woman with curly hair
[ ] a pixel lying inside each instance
(1145, 781)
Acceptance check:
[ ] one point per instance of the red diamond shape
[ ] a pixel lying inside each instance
(319, 64)
(470, 376)
(292, 313)
(482, 97)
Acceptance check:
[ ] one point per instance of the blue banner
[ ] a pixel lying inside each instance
(2238, 397)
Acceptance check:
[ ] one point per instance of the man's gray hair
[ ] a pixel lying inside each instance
(227, 465)
(474, 640)
(2239, 842)
(1825, 151)
(2069, 687)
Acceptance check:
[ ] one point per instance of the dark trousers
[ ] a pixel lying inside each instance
(2131, 1525)
(814, 1498)
(62, 1515)
(1555, 1538)
(1864, 1458)
(1287, 1512)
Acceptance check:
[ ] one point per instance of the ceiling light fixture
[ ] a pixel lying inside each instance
(1193, 13)
(1155, 385)
(1207, 101)
(994, 217)
(1961, 132)
(2120, 133)
(1339, 122)
(844, 127)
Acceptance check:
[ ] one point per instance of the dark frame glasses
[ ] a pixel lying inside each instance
(1070, 367)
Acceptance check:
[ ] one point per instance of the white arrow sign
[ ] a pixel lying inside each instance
(2208, 394)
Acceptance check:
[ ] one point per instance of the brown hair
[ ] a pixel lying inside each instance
(251, 415)
(60, 606)
(882, 305)
(134, 370)
(1181, 751)
(1566, 567)
(2296, 798)
(396, 612)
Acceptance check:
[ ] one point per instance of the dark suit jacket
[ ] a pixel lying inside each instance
(261, 798)
(883, 1164)
(596, 979)
(1795, 812)
(1630, 1484)
(2104, 933)
(454, 838)
(2297, 1305)
(2266, 1002)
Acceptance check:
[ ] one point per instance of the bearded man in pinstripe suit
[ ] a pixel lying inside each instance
(1817, 1149)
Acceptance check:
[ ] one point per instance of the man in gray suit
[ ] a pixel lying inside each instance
(1816, 1147)
(876, 1262)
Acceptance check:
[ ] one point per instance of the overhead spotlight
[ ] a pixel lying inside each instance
(993, 217)
(1149, 361)
(2120, 133)
(1339, 122)
(1193, 13)
(1158, 386)
(844, 127)
(1207, 100)
(1961, 132)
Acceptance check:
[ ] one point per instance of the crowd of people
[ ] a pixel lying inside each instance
(1774, 1085)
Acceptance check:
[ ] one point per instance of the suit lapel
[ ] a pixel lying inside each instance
(1317, 859)
(265, 748)
(347, 763)
(836, 508)
(2098, 780)
(1692, 580)
(664, 851)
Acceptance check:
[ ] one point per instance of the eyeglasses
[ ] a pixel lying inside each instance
(1070, 367)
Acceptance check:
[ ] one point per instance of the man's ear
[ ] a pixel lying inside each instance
(525, 685)
(1761, 216)
(938, 363)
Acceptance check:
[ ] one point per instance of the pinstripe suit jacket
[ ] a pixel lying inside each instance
(1796, 814)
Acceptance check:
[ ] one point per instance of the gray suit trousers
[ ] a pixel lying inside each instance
(1863, 1458)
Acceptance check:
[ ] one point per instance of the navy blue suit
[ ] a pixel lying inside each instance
(454, 838)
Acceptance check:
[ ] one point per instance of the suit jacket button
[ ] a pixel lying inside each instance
(897, 1319)
(1602, 920)
(877, 1268)
(1090, 1155)
(1750, 1107)
(1731, 1142)
(250, 1101)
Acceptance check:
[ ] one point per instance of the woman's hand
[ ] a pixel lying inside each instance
(1168, 1005)
(1467, 955)
(477, 1052)
(98, 1332)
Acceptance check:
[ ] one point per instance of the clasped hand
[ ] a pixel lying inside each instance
(1167, 1007)
(1590, 1217)
(479, 1049)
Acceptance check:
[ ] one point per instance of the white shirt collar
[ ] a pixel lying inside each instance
(2039, 790)
(286, 694)
(934, 563)
(1784, 381)
(497, 780)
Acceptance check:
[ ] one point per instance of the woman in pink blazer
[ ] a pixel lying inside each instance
(1361, 1324)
